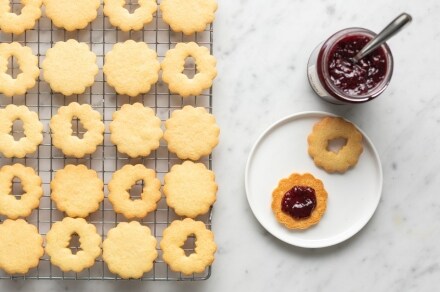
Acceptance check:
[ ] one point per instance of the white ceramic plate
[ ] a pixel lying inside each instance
(352, 196)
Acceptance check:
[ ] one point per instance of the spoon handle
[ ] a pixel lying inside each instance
(394, 27)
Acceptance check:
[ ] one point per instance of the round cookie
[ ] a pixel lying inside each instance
(131, 68)
(58, 240)
(126, 21)
(77, 199)
(18, 23)
(32, 128)
(29, 200)
(286, 184)
(129, 250)
(71, 15)
(173, 66)
(190, 189)
(28, 64)
(21, 246)
(188, 16)
(61, 128)
(123, 180)
(69, 67)
(191, 132)
(330, 128)
(174, 237)
(135, 130)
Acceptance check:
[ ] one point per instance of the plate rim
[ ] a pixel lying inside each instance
(346, 235)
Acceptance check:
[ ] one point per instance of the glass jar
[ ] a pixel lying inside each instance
(329, 68)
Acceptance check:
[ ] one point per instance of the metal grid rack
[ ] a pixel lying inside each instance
(101, 36)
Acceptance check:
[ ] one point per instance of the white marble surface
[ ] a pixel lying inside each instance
(262, 48)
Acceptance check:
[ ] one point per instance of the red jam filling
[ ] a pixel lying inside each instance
(299, 202)
(356, 78)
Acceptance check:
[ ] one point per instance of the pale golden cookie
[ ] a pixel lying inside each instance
(32, 128)
(28, 64)
(18, 23)
(330, 128)
(61, 129)
(77, 190)
(190, 189)
(173, 67)
(21, 246)
(120, 17)
(135, 130)
(131, 68)
(304, 180)
(32, 191)
(58, 240)
(121, 183)
(69, 67)
(191, 132)
(174, 237)
(71, 14)
(129, 250)
(188, 16)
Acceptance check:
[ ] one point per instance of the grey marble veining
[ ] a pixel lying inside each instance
(262, 49)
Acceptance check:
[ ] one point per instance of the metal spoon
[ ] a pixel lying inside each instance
(394, 27)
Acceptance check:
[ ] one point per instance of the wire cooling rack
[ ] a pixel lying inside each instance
(101, 36)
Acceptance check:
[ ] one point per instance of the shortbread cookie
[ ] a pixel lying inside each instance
(191, 132)
(77, 190)
(188, 16)
(120, 17)
(330, 128)
(299, 201)
(121, 183)
(58, 240)
(70, 67)
(21, 246)
(174, 237)
(173, 67)
(28, 64)
(131, 68)
(32, 128)
(190, 189)
(61, 127)
(135, 130)
(71, 15)
(129, 250)
(18, 23)
(32, 191)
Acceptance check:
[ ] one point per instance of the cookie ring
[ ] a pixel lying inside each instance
(61, 128)
(32, 127)
(190, 189)
(71, 15)
(135, 130)
(19, 258)
(28, 64)
(124, 179)
(191, 132)
(123, 19)
(58, 239)
(188, 16)
(174, 237)
(30, 199)
(73, 198)
(17, 24)
(131, 68)
(173, 67)
(288, 183)
(70, 67)
(330, 128)
(129, 250)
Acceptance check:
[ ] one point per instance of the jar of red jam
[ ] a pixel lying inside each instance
(335, 77)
